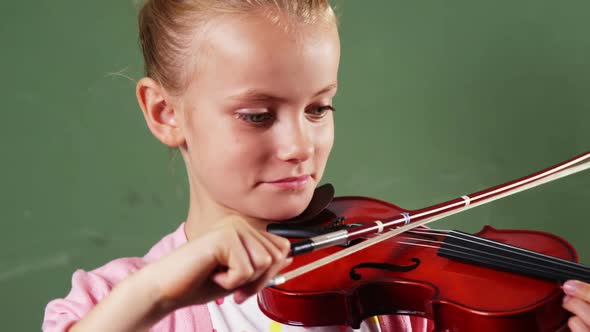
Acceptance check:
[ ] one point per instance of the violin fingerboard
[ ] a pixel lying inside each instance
(481, 251)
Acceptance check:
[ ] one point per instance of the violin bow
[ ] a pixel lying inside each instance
(406, 221)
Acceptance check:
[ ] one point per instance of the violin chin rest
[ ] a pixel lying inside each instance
(322, 197)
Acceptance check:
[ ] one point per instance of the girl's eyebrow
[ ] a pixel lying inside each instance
(253, 95)
(330, 87)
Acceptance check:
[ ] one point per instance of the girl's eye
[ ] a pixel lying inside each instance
(318, 112)
(255, 118)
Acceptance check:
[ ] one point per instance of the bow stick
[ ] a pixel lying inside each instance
(405, 222)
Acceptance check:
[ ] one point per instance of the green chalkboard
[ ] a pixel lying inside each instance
(437, 99)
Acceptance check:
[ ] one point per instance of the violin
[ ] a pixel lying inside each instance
(493, 280)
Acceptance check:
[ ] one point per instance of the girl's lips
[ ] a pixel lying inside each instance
(291, 182)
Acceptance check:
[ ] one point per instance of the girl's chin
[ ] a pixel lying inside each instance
(281, 214)
(277, 207)
(280, 210)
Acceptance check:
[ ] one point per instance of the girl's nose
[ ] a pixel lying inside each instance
(296, 143)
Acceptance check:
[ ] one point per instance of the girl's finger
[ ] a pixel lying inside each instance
(578, 307)
(577, 325)
(234, 255)
(252, 288)
(259, 251)
(578, 289)
(280, 242)
(265, 249)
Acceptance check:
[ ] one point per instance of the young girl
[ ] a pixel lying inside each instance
(244, 89)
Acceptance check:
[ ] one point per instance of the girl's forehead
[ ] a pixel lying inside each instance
(258, 32)
(240, 51)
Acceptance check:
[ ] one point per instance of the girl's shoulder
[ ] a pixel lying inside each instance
(118, 269)
(89, 287)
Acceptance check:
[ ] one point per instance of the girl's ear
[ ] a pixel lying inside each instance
(160, 115)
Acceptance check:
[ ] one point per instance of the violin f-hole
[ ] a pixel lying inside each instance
(354, 275)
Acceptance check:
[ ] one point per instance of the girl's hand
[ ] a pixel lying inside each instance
(233, 257)
(577, 301)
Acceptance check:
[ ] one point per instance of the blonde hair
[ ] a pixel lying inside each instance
(167, 28)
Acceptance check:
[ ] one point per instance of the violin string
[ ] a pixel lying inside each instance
(419, 245)
(566, 264)
(540, 268)
(582, 271)
(430, 231)
(282, 278)
(516, 250)
(502, 246)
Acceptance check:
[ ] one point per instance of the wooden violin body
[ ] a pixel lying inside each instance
(395, 277)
